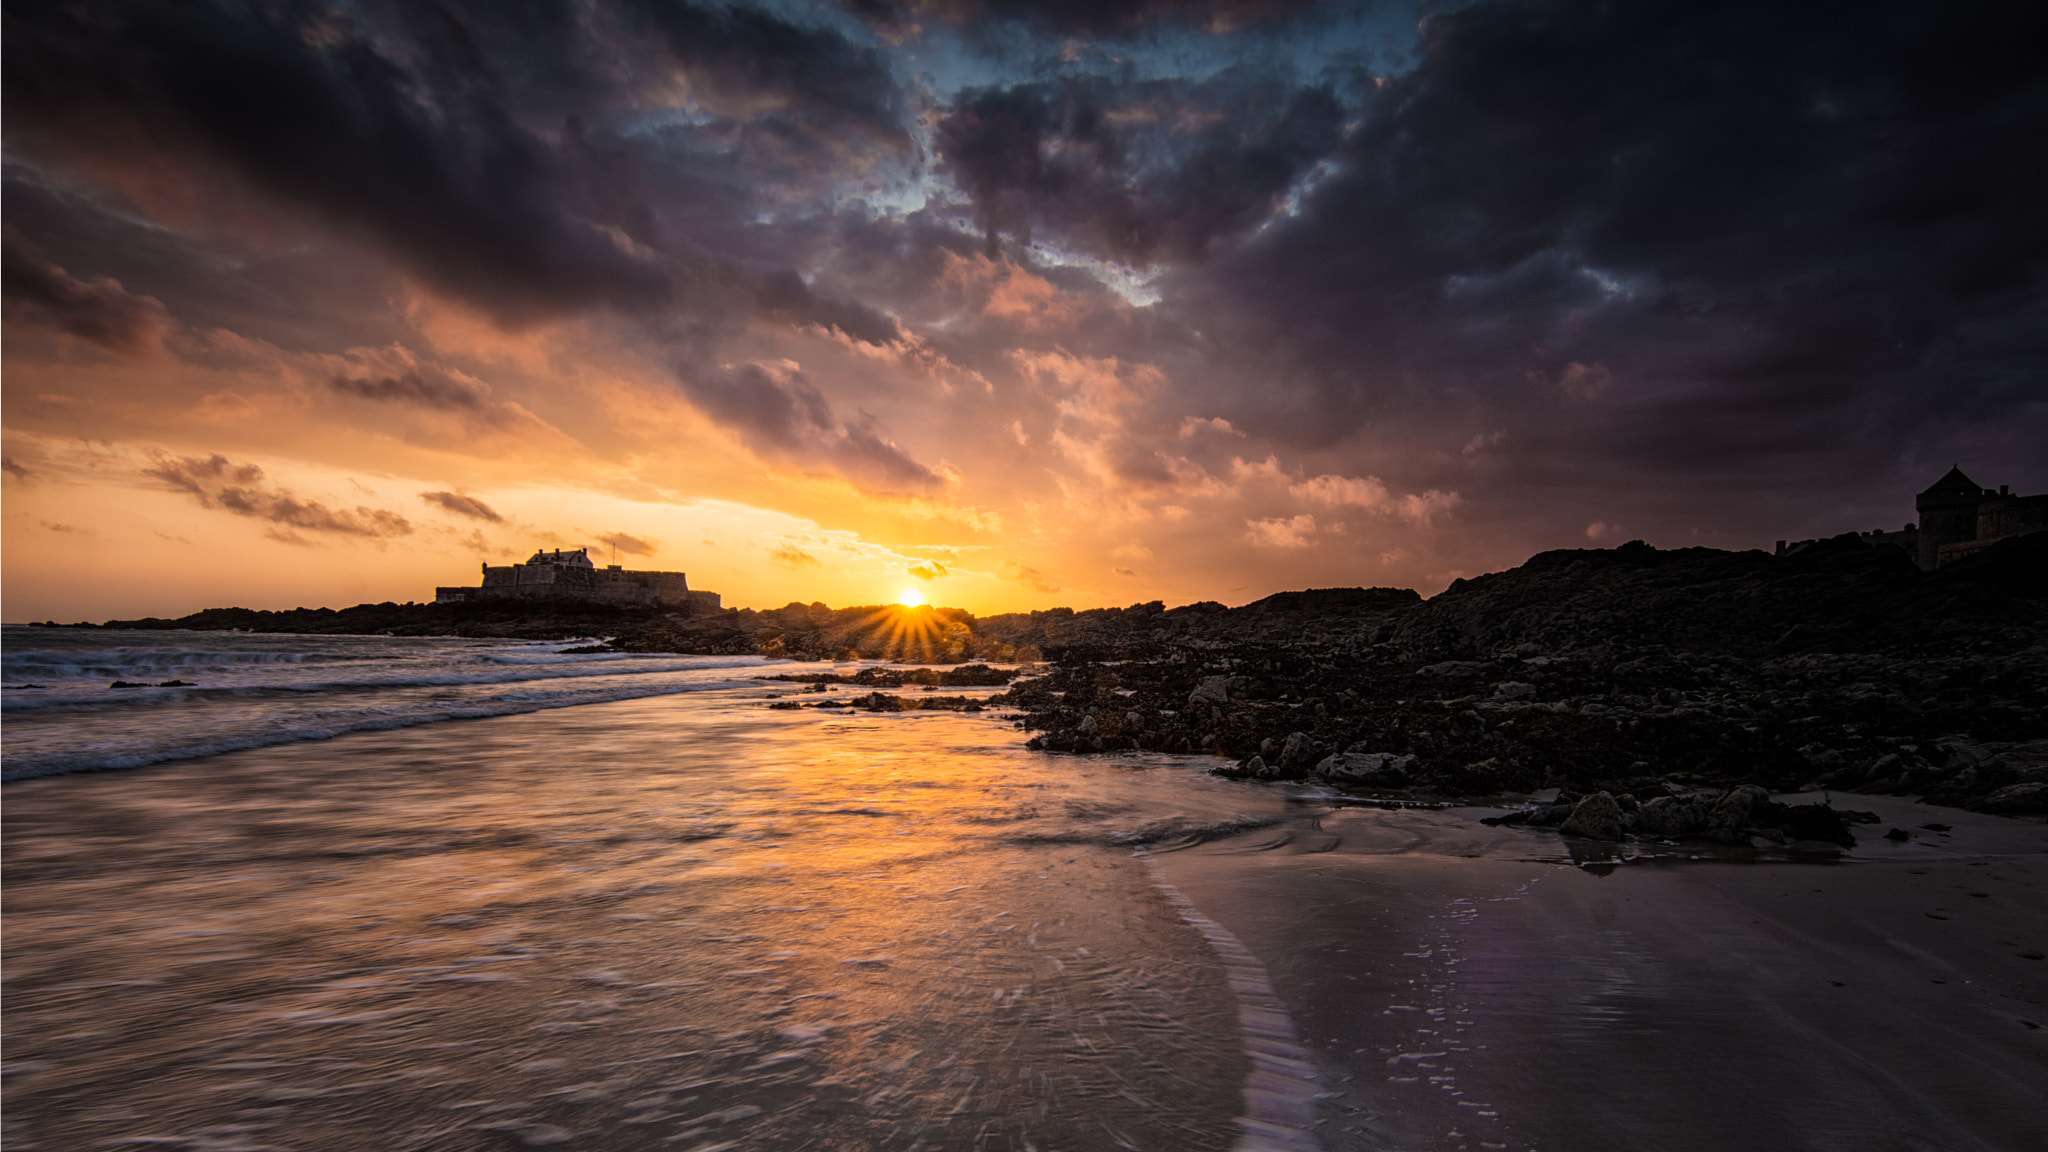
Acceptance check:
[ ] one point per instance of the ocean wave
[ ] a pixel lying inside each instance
(76, 697)
(100, 663)
(90, 758)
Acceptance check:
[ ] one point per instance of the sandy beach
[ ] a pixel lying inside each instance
(1464, 987)
(691, 920)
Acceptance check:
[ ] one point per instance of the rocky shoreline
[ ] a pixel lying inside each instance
(1634, 671)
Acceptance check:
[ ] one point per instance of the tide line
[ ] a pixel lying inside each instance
(1279, 1095)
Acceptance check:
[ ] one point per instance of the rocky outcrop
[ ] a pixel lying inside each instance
(1629, 670)
(1737, 816)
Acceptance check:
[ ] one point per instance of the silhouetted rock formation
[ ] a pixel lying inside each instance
(1623, 670)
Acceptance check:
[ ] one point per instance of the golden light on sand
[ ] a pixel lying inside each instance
(910, 598)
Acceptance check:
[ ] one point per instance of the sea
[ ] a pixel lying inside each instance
(315, 892)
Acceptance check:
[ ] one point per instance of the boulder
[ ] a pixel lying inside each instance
(2026, 799)
(1736, 812)
(1300, 754)
(1597, 817)
(1212, 690)
(1514, 690)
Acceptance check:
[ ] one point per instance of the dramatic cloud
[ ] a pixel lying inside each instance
(1293, 532)
(462, 505)
(99, 310)
(1183, 298)
(217, 482)
(1080, 17)
(1138, 171)
(1576, 195)
(777, 410)
(425, 390)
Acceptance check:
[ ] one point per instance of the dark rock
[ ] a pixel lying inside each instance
(1597, 817)
(1669, 818)
(2029, 799)
(1898, 834)
(1815, 822)
(1375, 769)
(1300, 754)
(1735, 813)
(1211, 690)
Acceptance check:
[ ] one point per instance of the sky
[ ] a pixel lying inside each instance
(1000, 304)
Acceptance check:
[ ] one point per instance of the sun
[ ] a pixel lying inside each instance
(910, 598)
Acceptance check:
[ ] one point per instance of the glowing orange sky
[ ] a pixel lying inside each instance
(1007, 306)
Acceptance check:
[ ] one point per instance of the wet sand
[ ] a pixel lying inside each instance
(680, 923)
(696, 924)
(1463, 987)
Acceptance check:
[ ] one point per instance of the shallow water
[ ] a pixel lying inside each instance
(680, 922)
(251, 691)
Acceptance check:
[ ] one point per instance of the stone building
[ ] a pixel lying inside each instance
(1958, 516)
(570, 575)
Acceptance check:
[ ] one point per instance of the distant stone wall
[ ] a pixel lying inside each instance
(2000, 516)
(572, 582)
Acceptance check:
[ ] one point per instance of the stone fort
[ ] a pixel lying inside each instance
(1958, 516)
(569, 575)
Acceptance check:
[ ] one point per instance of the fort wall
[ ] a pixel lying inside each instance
(1958, 516)
(570, 575)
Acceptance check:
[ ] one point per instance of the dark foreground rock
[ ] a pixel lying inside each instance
(965, 676)
(1630, 671)
(884, 702)
(1735, 816)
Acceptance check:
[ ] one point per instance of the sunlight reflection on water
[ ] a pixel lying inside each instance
(677, 923)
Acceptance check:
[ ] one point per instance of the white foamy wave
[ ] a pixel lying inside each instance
(248, 691)
(104, 755)
(118, 663)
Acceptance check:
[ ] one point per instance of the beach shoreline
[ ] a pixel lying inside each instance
(1463, 987)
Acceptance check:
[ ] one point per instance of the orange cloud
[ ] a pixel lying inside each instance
(1294, 532)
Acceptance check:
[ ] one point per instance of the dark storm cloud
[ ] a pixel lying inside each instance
(419, 150)
(1773, 230)
(428, 129)
(217, 482)
(777, 410)
(99, 310)
(1135, 171)
(1067, 17)
(826, 83)
(462, 505)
